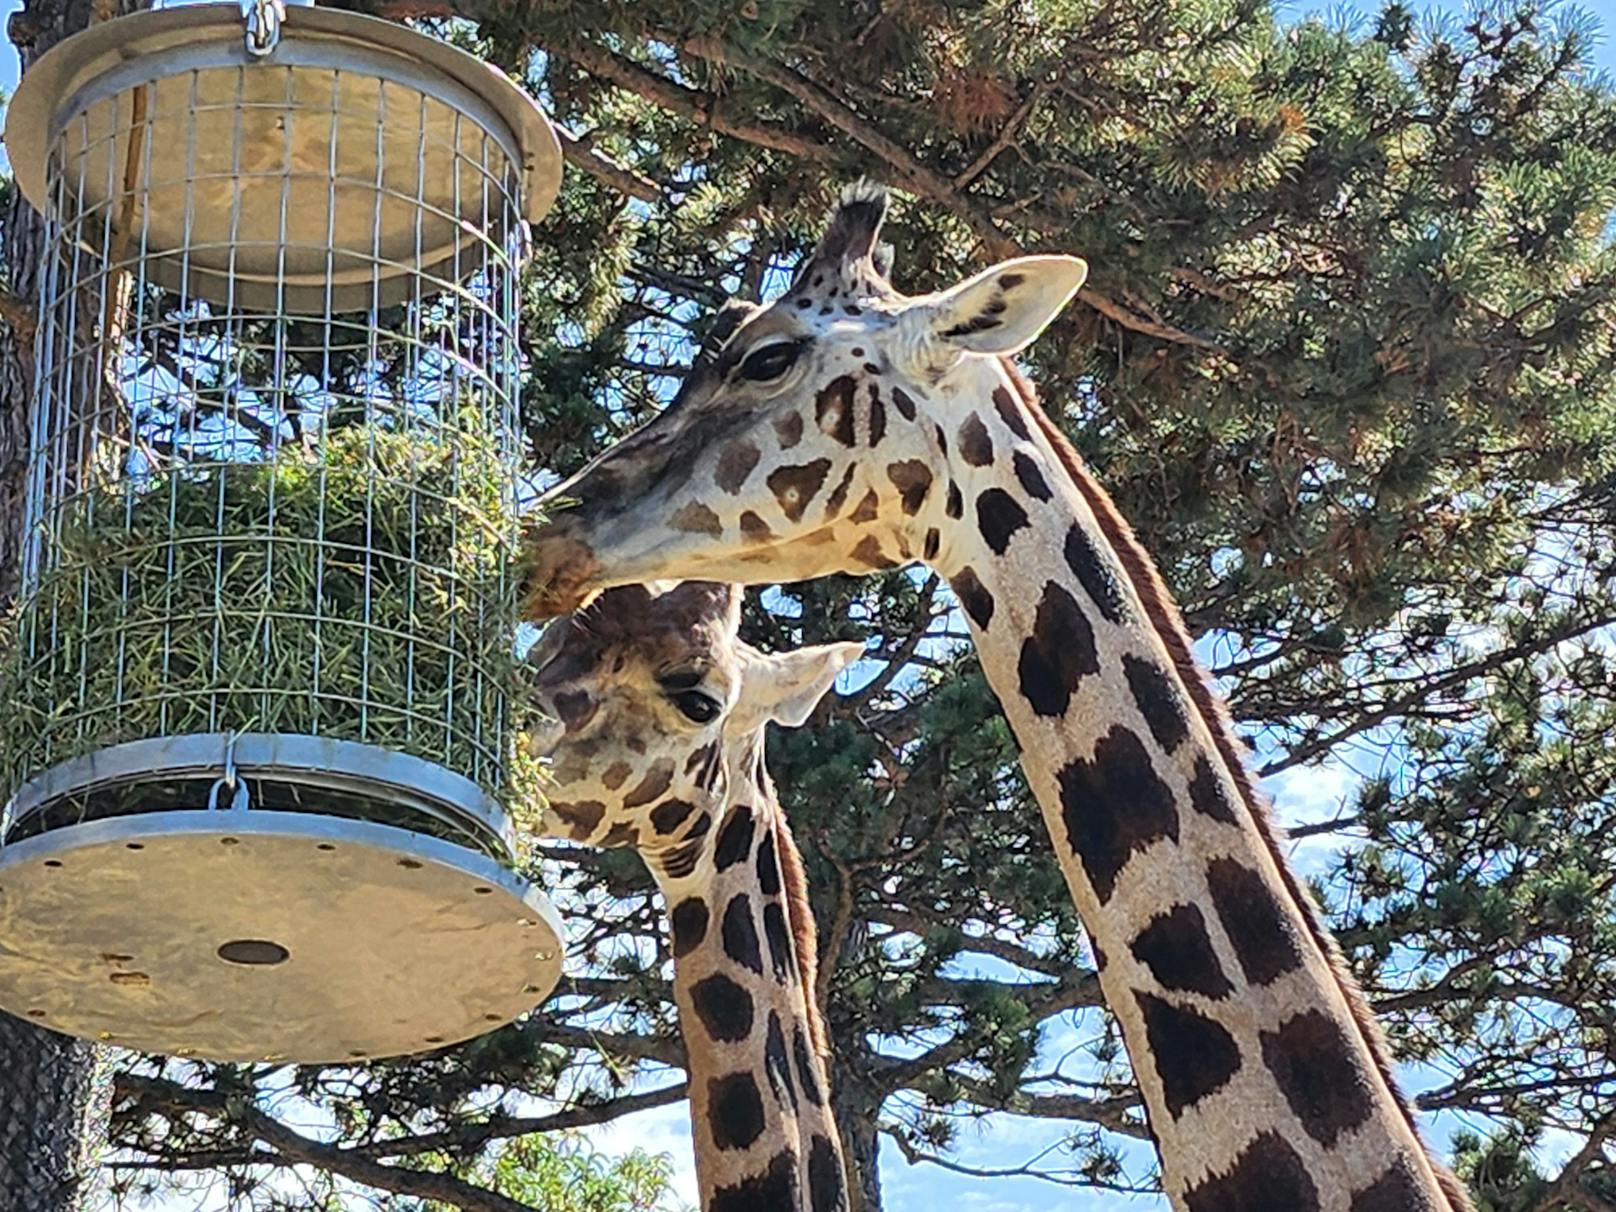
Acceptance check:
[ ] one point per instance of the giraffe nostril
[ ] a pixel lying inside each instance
(575, 708)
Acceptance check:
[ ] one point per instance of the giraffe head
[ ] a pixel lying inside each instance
(656, 707)
(818, 436)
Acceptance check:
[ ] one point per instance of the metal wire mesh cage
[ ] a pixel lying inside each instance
(265, 615)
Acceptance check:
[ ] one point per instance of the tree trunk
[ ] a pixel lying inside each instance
(856, 1122)
(52, 1095)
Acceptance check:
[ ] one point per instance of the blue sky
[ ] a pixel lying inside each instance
(1314, 793)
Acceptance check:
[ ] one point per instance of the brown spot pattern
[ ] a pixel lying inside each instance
(867, 509)
(1265, 939)
(975, 444)
(1193, 1055)
(1319, 1072)
(1177, 949)
(1010, 413)
(833, 409)
(670, 814)
(838, 496)
(1207, 795)
(788, 429)
(777, 1063)
(1096, 572)
(735, 464)
(735, 1109)
(878, 417)
(740, 934)
(1397, 1190)
(912, 479)
(724, 1008)
(1114, 805)
(905, 403)
(826, 1178)
(696, 518)
(868, 552)
(754, 529)
(581, 819)
(999, 515)
(1268, 1176)
(776, 1187)
(973, 596)
(1032, 479)
(805, 1067)
(796, 486)
(734, 839)
(656, 782)
(1159, 701)
(689, 918)
(1058, 654)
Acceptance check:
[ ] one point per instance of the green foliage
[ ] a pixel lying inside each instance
(360, 592)
(563, 1173)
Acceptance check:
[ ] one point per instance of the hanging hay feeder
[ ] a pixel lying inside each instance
(262, 645)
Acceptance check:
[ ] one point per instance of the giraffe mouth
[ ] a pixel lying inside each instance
(544, 735)
(560, 577)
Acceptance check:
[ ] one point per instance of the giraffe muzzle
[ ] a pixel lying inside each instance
(561, 574)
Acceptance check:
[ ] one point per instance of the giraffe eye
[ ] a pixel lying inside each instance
(771, 361)
(696, 706)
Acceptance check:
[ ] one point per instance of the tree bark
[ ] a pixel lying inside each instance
(53, 1096)
(856, 1116)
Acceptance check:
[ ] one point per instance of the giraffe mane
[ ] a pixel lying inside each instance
(1164, 616)
(805, 934)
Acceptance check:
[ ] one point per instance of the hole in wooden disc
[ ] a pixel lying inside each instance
(253, 951)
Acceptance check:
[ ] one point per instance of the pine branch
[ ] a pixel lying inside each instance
(985, 944)
(914, 1156)
(1568, 1188)
(298, 1149)
(915, 175)
(704, 109)
(579, 151)
(1424, 689)
(1007, 135)
(1079, 989)
(825, 104)
(499, 1127)
(1112, 1114)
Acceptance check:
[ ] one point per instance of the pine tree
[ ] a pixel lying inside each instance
(1346, 359)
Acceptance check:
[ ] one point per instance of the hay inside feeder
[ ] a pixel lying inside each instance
(362, 591)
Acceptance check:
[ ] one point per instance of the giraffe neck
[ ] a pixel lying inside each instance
(1264, 1077)
(744, 961)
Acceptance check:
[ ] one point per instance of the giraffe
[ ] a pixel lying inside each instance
(847, 427)
(653, 717)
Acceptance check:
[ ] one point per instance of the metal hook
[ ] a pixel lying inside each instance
(263, 18)
(241, 800)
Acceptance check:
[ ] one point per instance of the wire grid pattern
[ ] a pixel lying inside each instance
(273, 510)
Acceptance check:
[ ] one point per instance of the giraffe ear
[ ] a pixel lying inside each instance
(1002, 310)
(784, 687)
